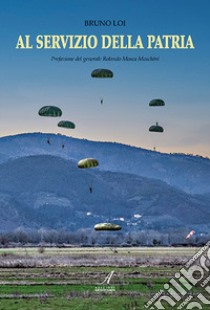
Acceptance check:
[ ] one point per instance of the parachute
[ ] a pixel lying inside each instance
(107, 226)
(102, 73)
(156, 128)
(87, 163)
(156, 103)
(50, 111)
(66, 124)
(190, 234)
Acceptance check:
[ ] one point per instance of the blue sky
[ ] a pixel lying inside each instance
(30, 80)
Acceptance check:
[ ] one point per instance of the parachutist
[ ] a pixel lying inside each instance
(102, 101)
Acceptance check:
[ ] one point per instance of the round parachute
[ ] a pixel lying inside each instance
(50, 111)
(87, 163)
(66, 124)
(156, 128)
(107, 226)
(102, 73)
(156, 103)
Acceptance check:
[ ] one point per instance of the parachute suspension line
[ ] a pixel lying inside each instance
(88, 163)
(156, 127)
(102, 74)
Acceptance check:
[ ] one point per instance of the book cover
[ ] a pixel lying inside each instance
(104, 153)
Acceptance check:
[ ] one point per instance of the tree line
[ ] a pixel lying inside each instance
(89, 237)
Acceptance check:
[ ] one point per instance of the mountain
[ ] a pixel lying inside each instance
(186, 172)
(51, 192)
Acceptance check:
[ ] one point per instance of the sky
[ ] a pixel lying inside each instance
(30, 78)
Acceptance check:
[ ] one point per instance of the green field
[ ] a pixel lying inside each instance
(71, 278)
